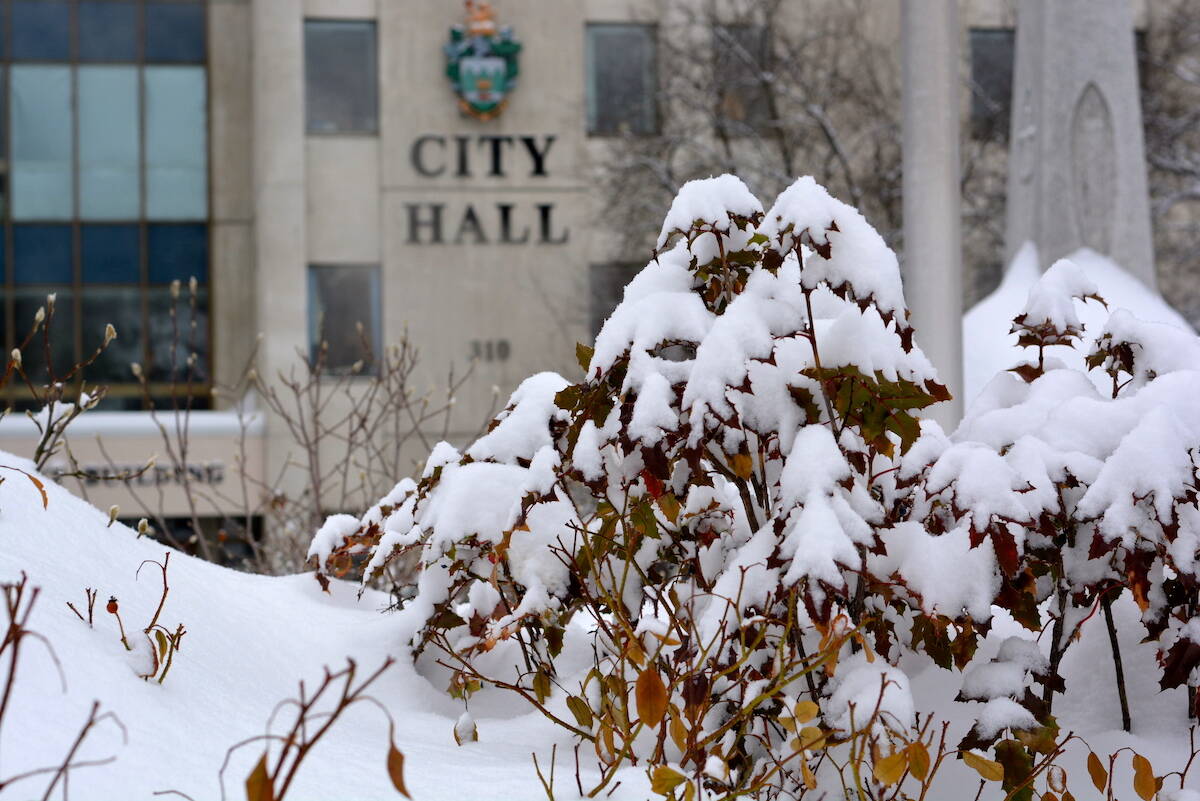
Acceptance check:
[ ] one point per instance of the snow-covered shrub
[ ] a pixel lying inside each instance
(1081, 493)
(705, 498)
(740, 508)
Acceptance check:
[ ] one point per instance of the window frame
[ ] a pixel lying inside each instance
(991, 124)
(374, 131)
(590, 95)
(375, 270)
(127, 388)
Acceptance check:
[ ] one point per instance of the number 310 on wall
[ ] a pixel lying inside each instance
(490, 350)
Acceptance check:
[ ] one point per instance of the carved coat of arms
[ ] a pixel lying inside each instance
(481, 62)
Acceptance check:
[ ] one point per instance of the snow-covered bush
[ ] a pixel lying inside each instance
(740, 507)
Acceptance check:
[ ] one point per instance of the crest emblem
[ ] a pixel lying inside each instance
(481, 62)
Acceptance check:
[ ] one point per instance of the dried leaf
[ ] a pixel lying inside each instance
(664, 779)
(651, 697)
(580, 709)
(918, 760)
(258, 784)
(889, 769)
(806, 711)
(1143, 778)
(395, 769)
(1097, 772)
(810, 781)
(162, 643)
(742, 465)
(989, 770)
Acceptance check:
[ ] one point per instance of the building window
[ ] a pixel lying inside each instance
(104, 190)
(344, 318)
(992, 54)
(622, 79)
(341, 76)
(741, 66)
(606, 288)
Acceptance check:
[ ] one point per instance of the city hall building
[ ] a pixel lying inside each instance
(418, 167)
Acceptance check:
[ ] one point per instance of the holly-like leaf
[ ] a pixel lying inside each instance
(583, 355)
(395, 769)
(651, 695)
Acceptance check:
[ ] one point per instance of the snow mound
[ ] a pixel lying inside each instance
(991, 349)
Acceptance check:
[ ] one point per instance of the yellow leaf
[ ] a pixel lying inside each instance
(678, 732)
(742, 465)
(918, 760)
(664, 779)
(989, 770)
(651, 696)
(810, 781)
(258, 783)
(806, 711)
(1143, 778)
(1098, 773)
(811, 737)
(580, 709)
(669, 505)
(889, 769)
(395, 768)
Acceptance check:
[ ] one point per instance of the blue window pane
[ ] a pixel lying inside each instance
(110, 254)
(42, 254)
(107, 31)
(41, 30)
(175, 32)
(109, 147)
(3, 275)
(176, 143)
(41, 143)
(177, 252)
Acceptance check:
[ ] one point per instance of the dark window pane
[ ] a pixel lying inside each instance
(340, 75)
(110, 254)
(42, 254)
(175, 32)
(41, 30)
(742, 61)
(992, 53)
(107, 31)
(606, 285)
(174, 340)
(26, 302)
(122, 307)
(177, 252)
(621, 79)
(339, 298)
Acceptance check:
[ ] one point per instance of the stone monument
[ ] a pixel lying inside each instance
(1077, 162)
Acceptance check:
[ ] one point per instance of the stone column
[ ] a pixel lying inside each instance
(932, 237)
(1077, 160)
